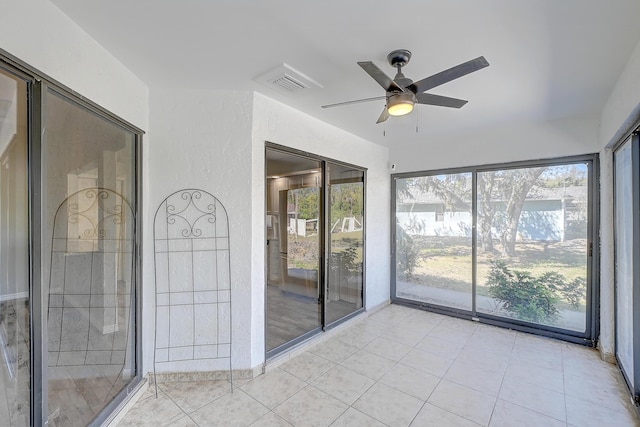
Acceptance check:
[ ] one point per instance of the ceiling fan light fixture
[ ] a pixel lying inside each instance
(400, 104)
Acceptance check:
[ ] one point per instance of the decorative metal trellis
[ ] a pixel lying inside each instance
(91, 275)
(193, 280)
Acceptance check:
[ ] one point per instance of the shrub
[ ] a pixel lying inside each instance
(527, 297)
(407, 254)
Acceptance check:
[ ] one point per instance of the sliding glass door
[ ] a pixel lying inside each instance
(314, 245)
(294, 202)
(534, 244)
(15, 299)
(505, 244)
(88, 229)
(69, 191)
(627, 260)
(345, 188)
(434, 239)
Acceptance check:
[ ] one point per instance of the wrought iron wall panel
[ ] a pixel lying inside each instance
(192, 278)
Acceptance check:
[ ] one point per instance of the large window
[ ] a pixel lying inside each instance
(69, 306)
(626, 160)
(507, 244)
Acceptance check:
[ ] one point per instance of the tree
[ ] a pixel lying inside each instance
(509, 187)
(515, 189)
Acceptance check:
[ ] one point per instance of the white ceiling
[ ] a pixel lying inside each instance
(550, 59)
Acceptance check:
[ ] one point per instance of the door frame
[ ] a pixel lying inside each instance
(37, 85)
(325, 232)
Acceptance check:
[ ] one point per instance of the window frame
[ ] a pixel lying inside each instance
(633, 384)
(37, 85)
(590, 336)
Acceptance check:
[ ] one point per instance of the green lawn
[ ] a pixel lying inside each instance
(445, 262)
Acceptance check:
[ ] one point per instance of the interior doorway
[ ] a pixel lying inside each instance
(314, 245)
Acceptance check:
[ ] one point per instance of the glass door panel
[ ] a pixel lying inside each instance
(533, 244)
(345, 188)
(294, 201)
(89, 201)
(15, 324)
(434, 239)
(625, 258)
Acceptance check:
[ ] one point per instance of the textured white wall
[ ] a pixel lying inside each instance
(507, 143)
(203, 140)
(620, 112)
(280, 124)
(56, 46)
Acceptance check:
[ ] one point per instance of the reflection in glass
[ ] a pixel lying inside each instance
(293, 247)
(433, 239)
(624, 261)
(15, 363)
(346, 246)
(532, 244)
(88, 235)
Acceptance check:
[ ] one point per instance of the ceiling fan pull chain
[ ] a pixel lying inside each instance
(417, 121)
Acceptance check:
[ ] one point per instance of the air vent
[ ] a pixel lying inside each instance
(287, 82)
(286, 79)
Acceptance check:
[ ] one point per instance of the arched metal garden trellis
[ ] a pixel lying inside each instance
(90, 299)
(193, 280)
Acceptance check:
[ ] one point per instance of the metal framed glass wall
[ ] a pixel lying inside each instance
(508, 244)
(69, 233)
(626, 162)
(15, 293)
(314, 245)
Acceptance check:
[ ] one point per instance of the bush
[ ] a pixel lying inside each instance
(533, 298)
(407, 254)
(527, 297)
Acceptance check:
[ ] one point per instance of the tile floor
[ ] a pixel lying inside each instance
(403, 367)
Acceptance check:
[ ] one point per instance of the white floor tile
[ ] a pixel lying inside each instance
(507, 414)
(538, 399)
(311, 407)
(412, 381)
(463, 401)
(388, 405)
(430, 416)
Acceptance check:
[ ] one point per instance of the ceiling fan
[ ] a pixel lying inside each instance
(403, 93)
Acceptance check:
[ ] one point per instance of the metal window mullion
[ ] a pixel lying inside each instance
(38, 308)
(325, 243)
(474, 241)
(593, 271)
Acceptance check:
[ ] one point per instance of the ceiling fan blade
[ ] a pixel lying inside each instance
(378, 75)
(448, 75)
(441, 101)
(383, 116)
(357, 101)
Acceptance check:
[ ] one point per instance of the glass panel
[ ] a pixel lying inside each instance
(532, 244)
(293, 247)
(88, 252)
(624, 236)
(434, 239)
(346, 220)
(15, 358)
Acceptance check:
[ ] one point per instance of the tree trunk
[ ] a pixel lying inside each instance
(521, 185)
(486, 210)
